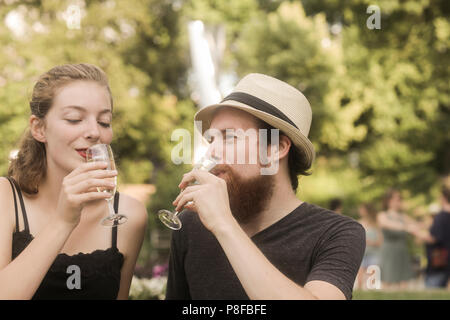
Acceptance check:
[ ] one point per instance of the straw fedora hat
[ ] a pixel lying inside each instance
(273, 101)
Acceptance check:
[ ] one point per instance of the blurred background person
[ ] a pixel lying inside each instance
(374, 240)
(437, 243)
(395, 264)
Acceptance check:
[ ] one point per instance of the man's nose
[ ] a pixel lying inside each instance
(215, 150)
(210, 151)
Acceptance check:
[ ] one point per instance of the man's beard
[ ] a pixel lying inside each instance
(248, 196)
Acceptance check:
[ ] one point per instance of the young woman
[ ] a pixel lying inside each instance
(52, 245)
(396, 263)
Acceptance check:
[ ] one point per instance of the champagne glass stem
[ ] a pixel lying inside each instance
(176, 213)
(111, 206)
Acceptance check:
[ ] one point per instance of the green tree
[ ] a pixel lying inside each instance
(379, 97)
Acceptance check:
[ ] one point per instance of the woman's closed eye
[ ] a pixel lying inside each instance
(73, 121)
(102, 123)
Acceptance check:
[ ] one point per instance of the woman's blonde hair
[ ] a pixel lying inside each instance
(30, 165)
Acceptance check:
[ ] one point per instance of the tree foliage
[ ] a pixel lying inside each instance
(379, 97)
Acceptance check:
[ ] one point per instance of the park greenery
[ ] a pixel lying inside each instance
(380, 97)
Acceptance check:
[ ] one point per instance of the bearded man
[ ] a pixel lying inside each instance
(246, 234)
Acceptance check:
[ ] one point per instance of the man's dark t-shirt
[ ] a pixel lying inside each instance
(310, 243)
(440, 230)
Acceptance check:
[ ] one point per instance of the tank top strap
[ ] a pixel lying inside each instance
(15, 186)
(15, 203)
(114, 228)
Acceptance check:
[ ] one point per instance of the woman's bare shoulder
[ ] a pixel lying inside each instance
(132, 232)
(6, 194)
(7, 201)
(134, 209)
(4, 183)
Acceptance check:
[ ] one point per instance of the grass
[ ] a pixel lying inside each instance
(401, 295)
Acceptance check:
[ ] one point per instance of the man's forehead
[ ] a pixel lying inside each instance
(227, 117)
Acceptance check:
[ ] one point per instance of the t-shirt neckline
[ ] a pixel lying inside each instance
(278, 222)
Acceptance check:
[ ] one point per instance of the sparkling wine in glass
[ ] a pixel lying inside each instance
(171, 219)
(103, 153)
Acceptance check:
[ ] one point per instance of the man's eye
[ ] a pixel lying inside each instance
(230, 138)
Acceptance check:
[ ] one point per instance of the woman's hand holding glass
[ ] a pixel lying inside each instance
(80, 187)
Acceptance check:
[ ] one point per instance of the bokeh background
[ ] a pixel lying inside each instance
(380, 97)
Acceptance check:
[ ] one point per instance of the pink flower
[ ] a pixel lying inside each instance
(159, 270)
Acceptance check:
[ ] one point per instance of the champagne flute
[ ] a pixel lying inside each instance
(171, 219)
(103, 152)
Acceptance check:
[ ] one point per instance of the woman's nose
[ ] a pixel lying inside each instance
(92, 131)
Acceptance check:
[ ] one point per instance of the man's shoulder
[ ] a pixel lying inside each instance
(327, 214)
(327, 219)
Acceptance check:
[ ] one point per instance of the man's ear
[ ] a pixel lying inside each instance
(37, 129)
(285, 145)
(280, 150)
(276, 151)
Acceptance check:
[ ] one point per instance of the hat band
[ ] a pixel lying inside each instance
(258, 104)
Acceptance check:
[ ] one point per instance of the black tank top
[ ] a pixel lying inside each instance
(99, 270)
